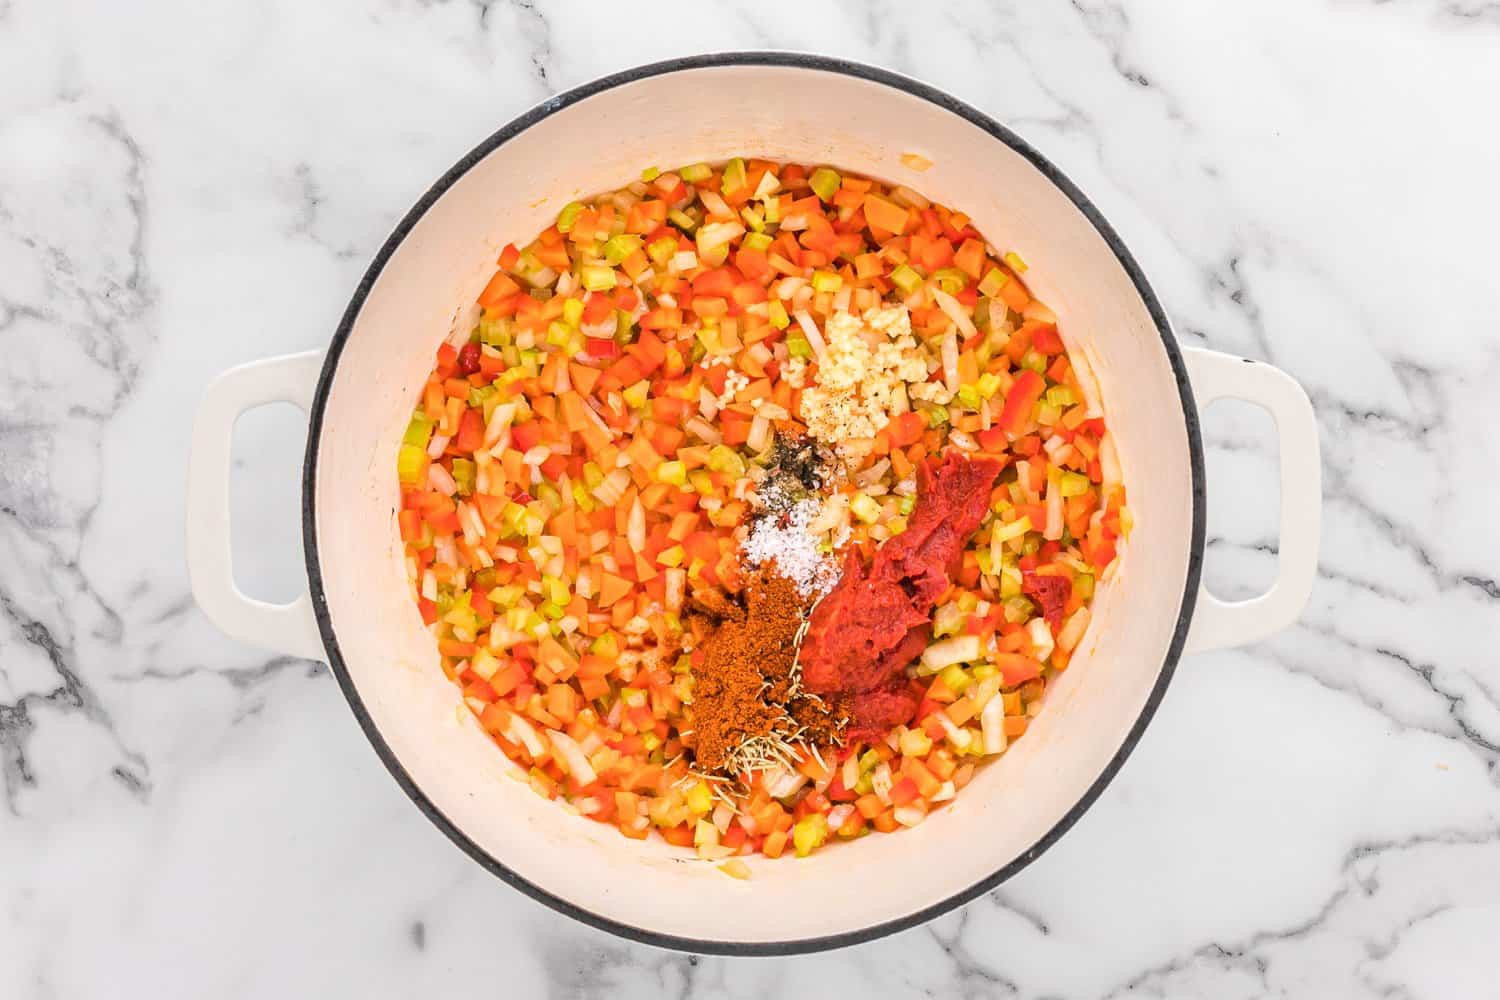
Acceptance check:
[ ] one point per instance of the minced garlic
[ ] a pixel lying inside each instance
(862, 377)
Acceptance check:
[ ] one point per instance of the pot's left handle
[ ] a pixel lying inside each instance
(1218, 624)
(286, 628)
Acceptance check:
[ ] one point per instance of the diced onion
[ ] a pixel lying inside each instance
(950, 361)
(1041, 638)
(1054, 527)
(812, 333)
(1073, 629)
(715, 204)
(909, 815)
(1109, 462)
(440, 480)
(946, 652)
(522, 732)
(635, 527)
(572, 756)
(992, 724)
(759, 438)
(956, 312)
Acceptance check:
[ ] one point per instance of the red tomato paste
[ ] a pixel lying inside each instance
(877, 620)
(1050, 592)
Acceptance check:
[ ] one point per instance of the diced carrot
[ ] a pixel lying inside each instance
(885, 215)
(611, 589)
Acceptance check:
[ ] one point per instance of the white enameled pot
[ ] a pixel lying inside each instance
(358, 615)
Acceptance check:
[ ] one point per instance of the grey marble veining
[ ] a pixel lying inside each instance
(186, 186)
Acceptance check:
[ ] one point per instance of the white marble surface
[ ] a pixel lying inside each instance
(188, 185)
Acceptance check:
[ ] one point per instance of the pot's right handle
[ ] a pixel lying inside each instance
(286, 628)
(1218, 624)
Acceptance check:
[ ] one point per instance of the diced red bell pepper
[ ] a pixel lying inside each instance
(526, 436)
(1046, 340)
(601, 347)
(1024, 393)
(906, 429)
(597, 308)
(470, 436)
(717, 283)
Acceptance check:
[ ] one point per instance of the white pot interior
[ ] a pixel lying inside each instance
(602, 142)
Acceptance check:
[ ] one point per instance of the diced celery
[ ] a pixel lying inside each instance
(699, 798)
(607, 645)
(636, 394)
(994, 280)
(598, 279)
(568, 216)
(463, 475)
(756, 241)
(481, 396)
(1018, 609)
(1073, 484)
(1061, 396)
(617, 248)
(809, 834)
(865, 508)
(734, 176)
(559, 333)
(1016, 263)
(682, 220)
(1036, 362)
(1047, 414)
(673, 472)
(701, 482)
(915, 743)
(1083, 586)
(672, 557)
(754, 220)
(947, 620)
(494, 332)
(956, 678)
(825, 183)
(411, 464)
(951, 280)
(797, 345)
(1014, 529)
(906, 278)
(650, 174)
(572, 311)
(662, 249)
(967, 601)
(906, 505)
(969, 397)
(988, 384)
(722, 458)
(773, 211)
(418, 431)
(776, 312)
(937, 415)
(826, 281)
(695, 172)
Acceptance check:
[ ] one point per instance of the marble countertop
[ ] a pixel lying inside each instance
(185, 186)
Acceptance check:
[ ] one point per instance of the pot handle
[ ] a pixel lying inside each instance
(1218, 624)
(291, 628)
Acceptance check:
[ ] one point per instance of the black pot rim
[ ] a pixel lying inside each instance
(516, 127)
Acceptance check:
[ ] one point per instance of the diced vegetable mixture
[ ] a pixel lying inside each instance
(585, 465)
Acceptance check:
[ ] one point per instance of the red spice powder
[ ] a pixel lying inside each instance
(742, 677)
